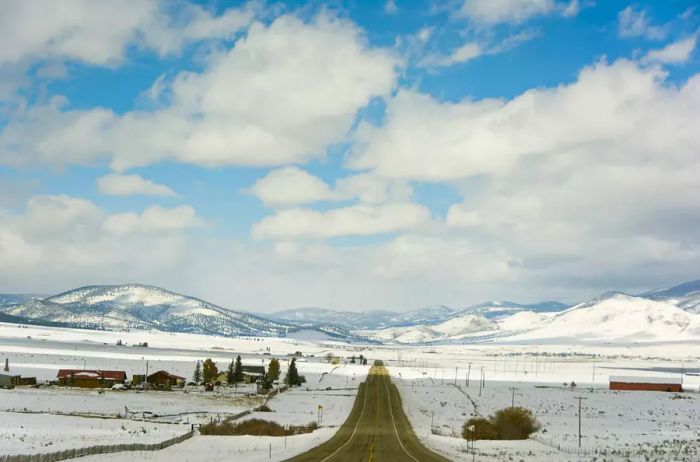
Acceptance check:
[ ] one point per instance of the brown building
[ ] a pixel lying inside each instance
(89, 378)
(646, 383)
(165, 380)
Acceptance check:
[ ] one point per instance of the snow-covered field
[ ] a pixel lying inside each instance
(42, 433)
(638, 422)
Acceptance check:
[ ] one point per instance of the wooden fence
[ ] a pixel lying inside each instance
(101, 449)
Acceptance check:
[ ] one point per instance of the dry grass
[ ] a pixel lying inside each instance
(257, 427)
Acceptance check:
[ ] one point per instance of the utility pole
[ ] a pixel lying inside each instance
(579, 398)
(469, 372)
(456, 369)
(512, 399)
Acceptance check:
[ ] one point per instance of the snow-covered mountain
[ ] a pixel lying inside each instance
(660, 315)
(348, 320)
(144, 307)
(17, 299)
(685, 296)
(615, 316)
(450, 330)
(610, 317)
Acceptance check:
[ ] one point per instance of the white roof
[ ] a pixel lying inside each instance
(631, 379)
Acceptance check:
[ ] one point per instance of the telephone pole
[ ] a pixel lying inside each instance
(579, 398)
(512, 399)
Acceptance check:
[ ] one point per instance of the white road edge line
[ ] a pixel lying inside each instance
(391, 412)
(352, 435)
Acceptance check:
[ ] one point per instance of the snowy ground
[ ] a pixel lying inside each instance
(643, 421)
(41, 433)
(645, 425)
(334, 387)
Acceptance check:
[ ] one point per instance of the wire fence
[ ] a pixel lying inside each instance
(100, 449)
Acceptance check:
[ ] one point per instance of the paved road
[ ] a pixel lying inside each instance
(377, 429)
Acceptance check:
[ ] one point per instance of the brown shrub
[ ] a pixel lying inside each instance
(257, 427)
(515, 423)
(483, 429)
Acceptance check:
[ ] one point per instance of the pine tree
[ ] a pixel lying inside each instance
(352, 359)
(364, 361)
(230, 378)
(209, 371)
(197, 376)
(273, 370)
(292, 377)
(238, 370)
(7, 364)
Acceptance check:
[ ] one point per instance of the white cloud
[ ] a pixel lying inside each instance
(632, 23)
(130, 185)
(291, 186)
(674, 53)
(153, 220)
(281, 95)
(473, 49)
(464, 53)
(390, 7)
(489, 12)
(357, 220)
(98, 31)
(614, 108)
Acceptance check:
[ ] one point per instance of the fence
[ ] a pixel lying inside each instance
(102, 449)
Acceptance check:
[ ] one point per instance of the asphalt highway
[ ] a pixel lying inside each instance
(377, 429)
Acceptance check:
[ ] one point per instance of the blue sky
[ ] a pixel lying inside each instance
(354, 155)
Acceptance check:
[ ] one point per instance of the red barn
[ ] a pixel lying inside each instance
(89, 378)
(646, 383)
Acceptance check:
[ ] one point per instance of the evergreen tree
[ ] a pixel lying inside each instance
(238, 370)
(273, 370)
(210, 372)
(364, 361)
(292, 377)
(197, 376)
(352, 359)
(7, 364)
(230, 378)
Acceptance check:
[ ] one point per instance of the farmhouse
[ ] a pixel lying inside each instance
(252, 374)
(646, 383)
(89, 378)
(165, 380)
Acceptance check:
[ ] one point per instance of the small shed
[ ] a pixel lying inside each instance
(672, 384)
(8, 381)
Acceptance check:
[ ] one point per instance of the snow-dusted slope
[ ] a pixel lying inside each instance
(685, 296)
(453, 329)
(141, 306)
(617, 317)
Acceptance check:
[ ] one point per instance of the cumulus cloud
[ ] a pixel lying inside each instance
(293, 186)
(633, 23)
(611, 112)
(356, 220)
(153, 220)
(281, 95)
(98, 32)
(674, 53)
(130, 185)
(490, 12)
(60, 241)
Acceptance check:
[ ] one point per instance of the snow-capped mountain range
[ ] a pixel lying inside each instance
(136, 306)
(661, 315)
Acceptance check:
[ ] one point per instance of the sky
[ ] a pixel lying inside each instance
(349, 154)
